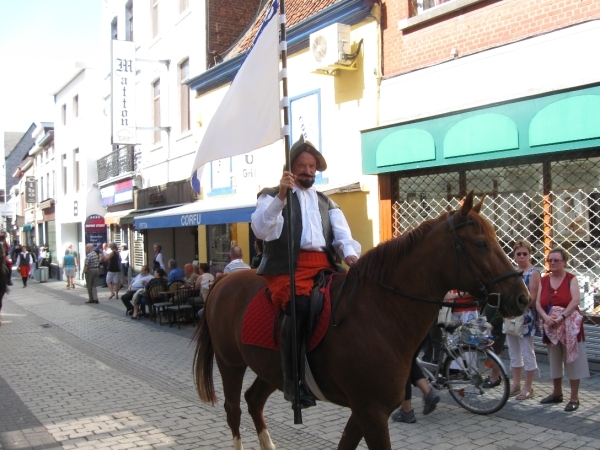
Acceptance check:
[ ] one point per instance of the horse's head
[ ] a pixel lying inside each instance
(481, 266)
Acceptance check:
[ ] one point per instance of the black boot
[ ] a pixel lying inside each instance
(306, 400)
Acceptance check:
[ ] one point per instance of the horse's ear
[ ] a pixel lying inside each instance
(477, 207)
(467, 204)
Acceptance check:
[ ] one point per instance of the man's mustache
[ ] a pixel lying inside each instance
(305, 175)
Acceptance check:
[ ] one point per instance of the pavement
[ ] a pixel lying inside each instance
(80, 376)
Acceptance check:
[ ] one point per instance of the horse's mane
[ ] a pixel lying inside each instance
(378, 263)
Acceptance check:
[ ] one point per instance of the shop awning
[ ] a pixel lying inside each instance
(115, 216)
(129, 218)
(28, 227)
(203, 212)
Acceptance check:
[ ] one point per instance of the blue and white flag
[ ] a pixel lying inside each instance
(248, 118)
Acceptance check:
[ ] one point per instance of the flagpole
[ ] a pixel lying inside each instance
(288, 219)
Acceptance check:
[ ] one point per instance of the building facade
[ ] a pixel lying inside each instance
(329, 104)
(80, 140)
(499, 97)
(171, 42)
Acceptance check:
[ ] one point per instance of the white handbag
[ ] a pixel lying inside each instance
(514, 326)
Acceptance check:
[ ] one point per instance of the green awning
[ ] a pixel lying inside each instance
(536, 126)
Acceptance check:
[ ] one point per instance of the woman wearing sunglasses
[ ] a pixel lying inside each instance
(521, 349)
(558, 305)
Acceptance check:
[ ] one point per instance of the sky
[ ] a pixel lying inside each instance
(40, 42)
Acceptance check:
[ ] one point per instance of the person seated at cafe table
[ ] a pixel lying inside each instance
(137, 284)
(190, 277)
(160, 278)
(175, 273)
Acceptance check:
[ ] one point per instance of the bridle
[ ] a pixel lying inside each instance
(461, 254)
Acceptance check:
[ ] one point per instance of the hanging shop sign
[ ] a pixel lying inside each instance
(117, 193)
(123, 92)
(95, 230)
(30, 192)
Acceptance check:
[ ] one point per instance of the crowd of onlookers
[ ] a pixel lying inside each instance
(553, 314)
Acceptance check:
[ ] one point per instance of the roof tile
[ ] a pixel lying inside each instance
(295, 10)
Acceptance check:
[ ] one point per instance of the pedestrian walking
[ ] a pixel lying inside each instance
(91, 271)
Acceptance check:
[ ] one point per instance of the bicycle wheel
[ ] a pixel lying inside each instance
(466, 374)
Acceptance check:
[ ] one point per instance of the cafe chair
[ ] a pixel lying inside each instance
(182, 308)
(174, 285)
(154, 298)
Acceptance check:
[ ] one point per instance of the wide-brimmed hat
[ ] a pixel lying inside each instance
(302, 145)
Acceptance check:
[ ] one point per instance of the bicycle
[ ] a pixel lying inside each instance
(463, 368)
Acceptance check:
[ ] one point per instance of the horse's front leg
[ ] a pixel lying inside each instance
(372, 423)
(233, 378)
(256, 397)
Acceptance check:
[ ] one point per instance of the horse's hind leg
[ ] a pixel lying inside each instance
(233, 378)
(370, 422)
(256, 397)
(352, 435)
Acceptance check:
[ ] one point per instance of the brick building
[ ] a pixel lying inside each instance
(499, 97)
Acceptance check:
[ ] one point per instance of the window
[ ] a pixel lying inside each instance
(63, 114)
(64, 174)
(183, 5)
(114, 33)
(76, 169)
(155, 24)
(76, 106)
(184, 95)
(42, 198)
(51, 184)
(156, 109)
(129, 21)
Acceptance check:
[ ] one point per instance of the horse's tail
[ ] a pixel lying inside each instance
(203, 362)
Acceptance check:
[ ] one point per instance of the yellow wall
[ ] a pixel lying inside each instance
(243, 240)
(354, 206)
(349, 103)
(202, 250)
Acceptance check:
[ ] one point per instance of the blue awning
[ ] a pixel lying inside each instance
(203, 212)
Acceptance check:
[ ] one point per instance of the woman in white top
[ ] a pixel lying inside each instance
(124, 265)
(206, 279)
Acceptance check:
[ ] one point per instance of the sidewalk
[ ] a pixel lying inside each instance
(81, 376)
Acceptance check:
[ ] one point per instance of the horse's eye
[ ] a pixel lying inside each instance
(481, 245)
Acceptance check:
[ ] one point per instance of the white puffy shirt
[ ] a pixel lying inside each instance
(267, 223)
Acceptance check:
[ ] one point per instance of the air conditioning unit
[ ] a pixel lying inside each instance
(329, 45)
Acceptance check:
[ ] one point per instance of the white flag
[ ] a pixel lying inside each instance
(248, 118)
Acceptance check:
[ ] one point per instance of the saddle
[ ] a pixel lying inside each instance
(262, 319)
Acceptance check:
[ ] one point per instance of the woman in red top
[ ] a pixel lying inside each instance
(560, 288)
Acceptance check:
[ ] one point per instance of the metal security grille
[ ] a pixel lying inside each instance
(116, 236)
(551, 202)
(138, 250)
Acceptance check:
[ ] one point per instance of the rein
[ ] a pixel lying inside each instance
(460, 253)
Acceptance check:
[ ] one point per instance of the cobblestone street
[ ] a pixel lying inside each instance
(78, 376)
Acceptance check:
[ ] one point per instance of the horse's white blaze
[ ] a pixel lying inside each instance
(237, 444)
(265, 440)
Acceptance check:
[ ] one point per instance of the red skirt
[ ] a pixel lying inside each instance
(308, 266)
(24, 271)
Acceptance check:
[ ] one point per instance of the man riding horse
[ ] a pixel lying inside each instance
(320, 231)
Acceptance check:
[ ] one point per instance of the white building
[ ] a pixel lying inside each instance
(81, 137)
(169, 42)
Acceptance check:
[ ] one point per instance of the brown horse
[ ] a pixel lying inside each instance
(364, 362)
